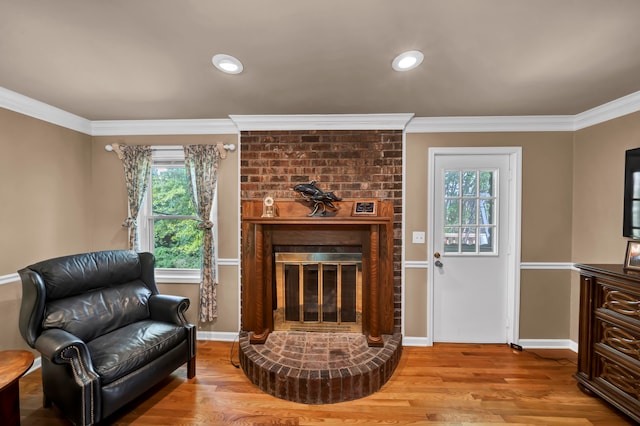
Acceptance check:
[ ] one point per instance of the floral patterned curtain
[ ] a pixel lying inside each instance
(136, 160)
(201, 162)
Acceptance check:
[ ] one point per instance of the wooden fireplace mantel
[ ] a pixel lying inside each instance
(292, 227)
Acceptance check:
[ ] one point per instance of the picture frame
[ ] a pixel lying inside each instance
(368, 208)
(632, 257)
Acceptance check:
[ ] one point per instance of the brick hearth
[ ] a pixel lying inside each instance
(319, 368)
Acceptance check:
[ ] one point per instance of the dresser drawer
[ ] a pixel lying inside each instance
(617, 361)
(621, 301)
(619, 336)
(619, 381)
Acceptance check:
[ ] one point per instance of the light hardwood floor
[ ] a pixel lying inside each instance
(446, 384)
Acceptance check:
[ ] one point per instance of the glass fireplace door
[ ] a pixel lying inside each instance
(318, 292)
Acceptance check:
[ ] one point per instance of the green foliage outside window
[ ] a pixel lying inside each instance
(177, 240)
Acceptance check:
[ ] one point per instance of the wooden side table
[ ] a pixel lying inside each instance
(13, 364)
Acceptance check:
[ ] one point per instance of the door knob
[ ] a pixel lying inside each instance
(438, 264)
(436, 255)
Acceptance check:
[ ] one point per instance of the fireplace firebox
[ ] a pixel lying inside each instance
(318, 292)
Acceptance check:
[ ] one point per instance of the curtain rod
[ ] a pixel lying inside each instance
(222, 147)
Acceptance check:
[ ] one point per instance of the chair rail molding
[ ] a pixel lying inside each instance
(424, 264)
(10, 278)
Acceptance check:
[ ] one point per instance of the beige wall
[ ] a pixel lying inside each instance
(45, 185)
(63, 193)
(547, 170)
(599, 189)
(545, 299)
(599, 196)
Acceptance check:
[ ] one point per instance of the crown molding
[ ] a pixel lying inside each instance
(163, 127)
(543, 123)
(614, 109)
(24, 105)
(322, 122)
(522, 123)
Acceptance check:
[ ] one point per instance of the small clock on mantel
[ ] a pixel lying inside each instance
(365, 208)
(268, 207)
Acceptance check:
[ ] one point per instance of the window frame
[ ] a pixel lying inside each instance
(478, 198)
(169, 155)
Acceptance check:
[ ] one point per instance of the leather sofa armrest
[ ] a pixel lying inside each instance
(61, 347)
(168, 308)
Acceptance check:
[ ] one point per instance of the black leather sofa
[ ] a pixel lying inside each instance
(104, 332)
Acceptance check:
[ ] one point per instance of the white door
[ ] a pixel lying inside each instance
(470, 267)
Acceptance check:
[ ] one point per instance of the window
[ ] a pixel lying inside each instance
(470, 205)
(168, 220)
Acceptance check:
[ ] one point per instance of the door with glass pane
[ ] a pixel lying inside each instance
(470, 248)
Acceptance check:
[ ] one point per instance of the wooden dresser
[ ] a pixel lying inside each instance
(609, 339)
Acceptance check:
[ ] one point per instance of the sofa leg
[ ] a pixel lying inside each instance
(191, 368)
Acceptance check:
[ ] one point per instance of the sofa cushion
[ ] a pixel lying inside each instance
(126, 349)
(95, 313)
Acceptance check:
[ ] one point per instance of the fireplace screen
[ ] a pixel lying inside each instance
(318, 292)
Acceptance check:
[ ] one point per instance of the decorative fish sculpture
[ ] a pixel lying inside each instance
(321, 200)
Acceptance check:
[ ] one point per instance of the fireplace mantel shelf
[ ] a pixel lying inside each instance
(318, 220)
(296, 212)
(291, 227)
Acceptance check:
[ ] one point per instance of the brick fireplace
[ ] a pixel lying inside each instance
(356, 165)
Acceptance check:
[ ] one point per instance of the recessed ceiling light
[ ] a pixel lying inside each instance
(407, 61)
(227, 63)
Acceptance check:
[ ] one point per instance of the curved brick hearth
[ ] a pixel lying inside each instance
(319, 368)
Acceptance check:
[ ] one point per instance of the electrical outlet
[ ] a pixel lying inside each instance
(418, 237)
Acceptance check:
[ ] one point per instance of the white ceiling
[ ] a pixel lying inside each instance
(151, 59)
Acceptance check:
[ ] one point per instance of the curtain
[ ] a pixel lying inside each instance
(136, 160)
(201, 162)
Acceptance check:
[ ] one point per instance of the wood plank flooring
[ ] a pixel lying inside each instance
(447, 384)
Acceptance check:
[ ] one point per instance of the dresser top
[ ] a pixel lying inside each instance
(610, 269)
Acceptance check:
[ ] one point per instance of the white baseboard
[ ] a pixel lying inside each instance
(548, 344)
(416, 341)
(525, 343)
(220, 336)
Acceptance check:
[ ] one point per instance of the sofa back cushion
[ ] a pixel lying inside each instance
(73, 275)
(98, 312)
